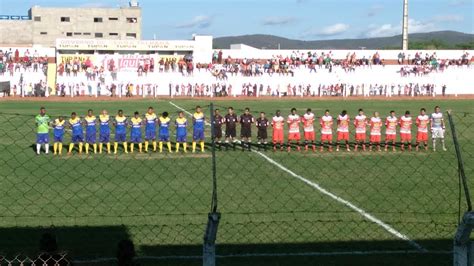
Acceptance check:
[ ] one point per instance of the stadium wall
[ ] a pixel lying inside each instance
(244, 51)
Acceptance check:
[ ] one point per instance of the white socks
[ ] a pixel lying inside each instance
(38, 148)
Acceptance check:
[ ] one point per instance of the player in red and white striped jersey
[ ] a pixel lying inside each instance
(294, 121)
(422, 123)
(405, 130)
(326, 130)
(308, 127)
(391, 123)
(343, 121)
(278, 124)
(375, 131)
(360, 123)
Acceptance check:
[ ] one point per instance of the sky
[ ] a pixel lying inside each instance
(294, 19)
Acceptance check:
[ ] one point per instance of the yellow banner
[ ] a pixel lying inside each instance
(51, 77)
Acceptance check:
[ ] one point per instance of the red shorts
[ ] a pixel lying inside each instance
(343, 136)
(278, 136)
(405, 137)
(309, 136)
(375, 138)
(392, 137)
(326, 137)
(294, 136)
(421, 136)
(360, 136)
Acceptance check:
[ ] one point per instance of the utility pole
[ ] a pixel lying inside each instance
(405, 26)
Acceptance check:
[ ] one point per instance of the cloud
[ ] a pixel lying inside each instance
(278, 21)
(334, 29)
(200, 22)
(448, 18)
(385, 30)
(374, 10)
(328, 31)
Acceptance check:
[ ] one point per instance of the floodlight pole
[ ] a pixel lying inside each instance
(405, 26)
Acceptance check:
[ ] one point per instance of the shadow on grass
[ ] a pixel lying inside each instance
(88, 243)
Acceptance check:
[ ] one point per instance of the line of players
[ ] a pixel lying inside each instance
(361, 122)
(151, 122)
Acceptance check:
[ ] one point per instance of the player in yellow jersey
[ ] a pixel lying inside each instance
(198, 128)
(164, 133)
(181, 124)
(77, 133)
(58, 125)
(120, 131)
(150, 128)
(104, 131)
(136, 132)
(91, 131)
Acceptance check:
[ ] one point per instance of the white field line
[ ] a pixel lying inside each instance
(296, 254)
(344, 202)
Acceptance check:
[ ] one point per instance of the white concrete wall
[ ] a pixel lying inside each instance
(252, 53)
(459, 80)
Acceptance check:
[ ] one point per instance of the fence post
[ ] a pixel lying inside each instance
(462, 253)
(462, 244)
(210, 235)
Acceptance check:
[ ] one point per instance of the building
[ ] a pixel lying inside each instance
(44, 25)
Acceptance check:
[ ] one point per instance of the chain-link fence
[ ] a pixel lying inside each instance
(276, 203)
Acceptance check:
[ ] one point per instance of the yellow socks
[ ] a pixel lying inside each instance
(140, 147)
(125, 147)
(80, 148)
(87, 148)
(194, 146)
(161, 146)
(55, 148)
(115, 147)
(202, 146)
(146, 146)
(60, 148)
(177, 146)
(154, 145)
(132, 146)
(100, 147)
(71, 146)
(95, 148)
(185, 145)
(108, 148)
(169, 146)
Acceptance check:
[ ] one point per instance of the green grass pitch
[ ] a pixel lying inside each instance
(161, 201)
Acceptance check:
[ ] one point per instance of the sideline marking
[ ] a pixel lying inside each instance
(346, 203)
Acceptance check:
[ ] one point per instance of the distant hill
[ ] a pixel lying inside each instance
(450, 38)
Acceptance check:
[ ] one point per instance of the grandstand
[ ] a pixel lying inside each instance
(166, 68)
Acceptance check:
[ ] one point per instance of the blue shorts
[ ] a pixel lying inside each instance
(150, 135)
(42, 138)
(198, 134)
(104, 138)
(135, 139)
(181, 138)
(121, 137)
(91, 138)
(58, 138)
(77, 138)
